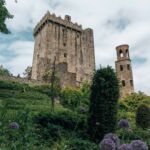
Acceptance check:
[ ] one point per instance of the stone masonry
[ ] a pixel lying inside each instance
(72, 46)
(124, 70)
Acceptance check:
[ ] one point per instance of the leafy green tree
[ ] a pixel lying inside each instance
(143, 116)
(103, 103)
(4, 14)
(27, 72)
(131, 102)
(4, 71)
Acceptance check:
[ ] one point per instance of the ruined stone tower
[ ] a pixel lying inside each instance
(124, 70)
(69, 44)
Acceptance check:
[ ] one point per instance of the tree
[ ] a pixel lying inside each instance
(51, 77)
(4, 71)
(103, 103)
(143, 116)
(4, 14)
(27, 72)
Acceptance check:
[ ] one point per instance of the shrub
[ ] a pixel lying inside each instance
(4, 71)
(13, 85)
(103, 106)
(143, 116)
(66, 119)
(51, 133)
(86, 91)
(131, 102)
(80, 144)
(136, 134)
(71, 98)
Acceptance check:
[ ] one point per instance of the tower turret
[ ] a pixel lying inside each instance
(124, 70)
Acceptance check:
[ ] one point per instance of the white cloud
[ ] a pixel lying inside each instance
(23, 51)
(19, 63)
(22, 47)
(106, 17)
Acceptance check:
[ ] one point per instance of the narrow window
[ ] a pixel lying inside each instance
(131, 82)
(81, 57)
(121, 67)
(123, 83)
(128, 66)
(65, 55)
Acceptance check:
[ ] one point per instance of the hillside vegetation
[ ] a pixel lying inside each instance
(38, 128)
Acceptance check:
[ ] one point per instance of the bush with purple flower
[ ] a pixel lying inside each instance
(107, 144)
(14, 125)
(114, 138)
(125, 147)
(124, 124)
(139, 145)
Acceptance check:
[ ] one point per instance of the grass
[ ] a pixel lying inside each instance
(26, 103)
(40, 129)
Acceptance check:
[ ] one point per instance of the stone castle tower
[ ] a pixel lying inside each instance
(124, 70)
(70, 46)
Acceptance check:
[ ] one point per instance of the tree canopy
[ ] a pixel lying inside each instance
(4, 14)
(4, 71)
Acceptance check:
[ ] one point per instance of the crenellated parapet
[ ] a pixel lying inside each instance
(66, 22)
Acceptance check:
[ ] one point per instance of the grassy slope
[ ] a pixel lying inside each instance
(22, 104)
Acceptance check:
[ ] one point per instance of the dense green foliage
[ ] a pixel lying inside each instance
(4, 71)
(131, 102)
(129, 105)
(70, 98)
(4, 14)
(143, 116)
(39, 128)
(64, 129)
(67, 119)
(76, 98)
(103, 107)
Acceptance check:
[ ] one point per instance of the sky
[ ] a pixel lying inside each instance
(114, 22)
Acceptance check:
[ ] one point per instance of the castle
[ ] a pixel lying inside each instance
(69, 44)
(70, 48)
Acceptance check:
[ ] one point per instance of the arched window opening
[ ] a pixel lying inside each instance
(121, 53)
(123, 83)
(127, 53)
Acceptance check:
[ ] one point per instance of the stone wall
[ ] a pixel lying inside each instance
(20, 80)
(69, 44)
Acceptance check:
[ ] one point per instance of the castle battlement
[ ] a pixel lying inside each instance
(66, 22)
